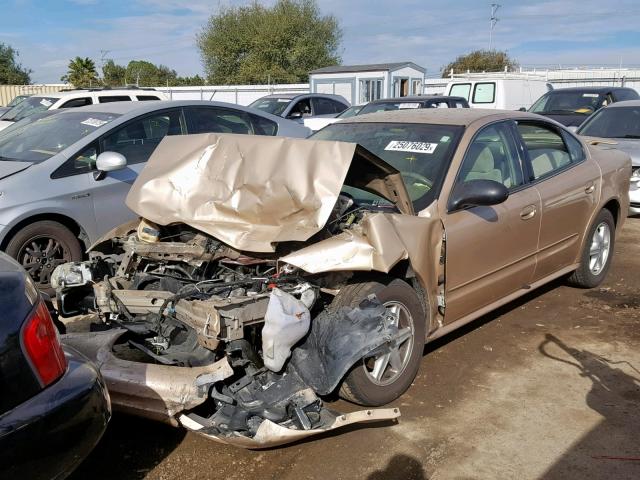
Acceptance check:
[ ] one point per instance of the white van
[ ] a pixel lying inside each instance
(76, 98)
(500, 91)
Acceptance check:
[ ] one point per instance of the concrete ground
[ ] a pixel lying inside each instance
(546, 388)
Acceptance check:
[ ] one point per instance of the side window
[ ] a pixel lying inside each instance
(302, 107)
(323, 106)
(263, 126)
(484, 92)
(460, 90)
(138, 139)
(218, 120)
(492, 155)
(114, 98)
(547, 150)
(576, 152)
(83, 162)
(144, 98)
(459, 105)
(77, 102)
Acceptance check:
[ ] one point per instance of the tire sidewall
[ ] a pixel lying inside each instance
(363, 390)
(591, 280)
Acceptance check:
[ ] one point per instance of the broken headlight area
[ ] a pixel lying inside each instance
(237, 347)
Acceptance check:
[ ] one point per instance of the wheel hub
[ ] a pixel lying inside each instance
(40, 255)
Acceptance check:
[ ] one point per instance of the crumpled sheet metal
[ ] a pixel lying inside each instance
(270, 434)
(247, 191)
(153, 391)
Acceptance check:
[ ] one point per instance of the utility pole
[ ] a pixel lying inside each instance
(492, 23)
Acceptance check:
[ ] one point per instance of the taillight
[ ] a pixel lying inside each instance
(41, 345)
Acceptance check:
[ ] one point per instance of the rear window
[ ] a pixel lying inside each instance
(388, 106)
(626, 94)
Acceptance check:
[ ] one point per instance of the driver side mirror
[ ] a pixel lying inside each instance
(478, 193)
(109, 162)
(522, 109)
(294, 115)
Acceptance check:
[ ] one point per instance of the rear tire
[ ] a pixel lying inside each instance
(597, 252)
(372, 382)
(41, 246)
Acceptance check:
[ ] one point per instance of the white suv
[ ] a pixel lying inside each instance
(76, 98)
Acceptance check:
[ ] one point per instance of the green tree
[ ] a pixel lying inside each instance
(480, 61)
(11, 72)
(81, 73)
(113, 75)
(257, 44)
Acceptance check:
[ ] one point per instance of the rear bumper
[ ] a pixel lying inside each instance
(47, 436)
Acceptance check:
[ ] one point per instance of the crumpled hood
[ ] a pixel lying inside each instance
(8, 167)
(254, 191)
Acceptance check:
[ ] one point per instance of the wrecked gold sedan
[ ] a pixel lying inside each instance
(266, 273)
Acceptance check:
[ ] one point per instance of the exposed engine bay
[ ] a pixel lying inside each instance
(258, 335)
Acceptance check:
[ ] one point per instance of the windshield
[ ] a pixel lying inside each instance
(350, 112)
(37, 140)
(617, 122)
(388, 106)
(422, 153)
(27, 107)
(569, 103)
(272, 105)
(16, 100)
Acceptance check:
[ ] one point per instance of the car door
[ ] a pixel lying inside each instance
(136, 140)
(568, 182)
(490, 251)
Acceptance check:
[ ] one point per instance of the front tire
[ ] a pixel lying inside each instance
(597, 252)
(42, 246)
(376, 381)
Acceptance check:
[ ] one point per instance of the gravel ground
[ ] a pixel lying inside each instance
(546, 387)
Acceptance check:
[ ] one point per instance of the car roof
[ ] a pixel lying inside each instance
(625, 103)
(440, 116)
(105, 92)
(296, 95)
(123, 108)
(415, 98)
(588, 89)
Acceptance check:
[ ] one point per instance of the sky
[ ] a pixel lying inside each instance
(431, 33)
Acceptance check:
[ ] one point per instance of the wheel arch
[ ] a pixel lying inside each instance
(68, 222)
(613, 205)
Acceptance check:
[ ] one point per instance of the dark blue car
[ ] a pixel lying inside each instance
(54, 406)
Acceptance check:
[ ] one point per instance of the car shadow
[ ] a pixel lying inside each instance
(611, 448)
(400, 467)
(130, 448)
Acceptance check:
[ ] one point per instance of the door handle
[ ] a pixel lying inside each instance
(528, 212)
(589, 189)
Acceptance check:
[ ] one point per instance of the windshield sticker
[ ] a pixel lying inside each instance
(444, 139)
(408, 105)
(283, 100)
(413, 147)
(590, 95)
(46, 103)
(94, 122)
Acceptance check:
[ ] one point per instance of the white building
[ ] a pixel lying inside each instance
(364, 83)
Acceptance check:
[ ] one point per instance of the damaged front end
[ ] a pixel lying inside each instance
(192, 331)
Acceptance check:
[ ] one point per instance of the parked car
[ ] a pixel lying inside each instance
(316, 123)
(299, 106)
(381, 232)
(500, 91)
(54, 405)
(76, 98)
(64, 175)
(421, 101)
(619, 122)
(16, 100)
(572, 106)
(390, 104)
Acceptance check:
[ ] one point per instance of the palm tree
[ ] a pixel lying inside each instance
(81, 73)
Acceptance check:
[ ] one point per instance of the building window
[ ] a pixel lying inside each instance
(416, 87)
(370, 90)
